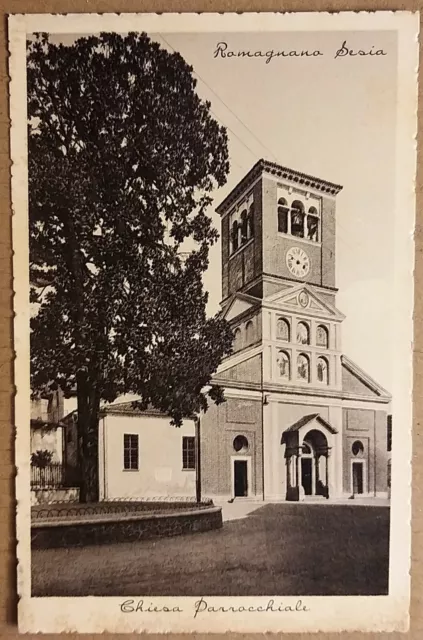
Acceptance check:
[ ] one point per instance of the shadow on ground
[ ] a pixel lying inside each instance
(278, 549)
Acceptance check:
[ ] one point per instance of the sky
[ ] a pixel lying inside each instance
(331, 118)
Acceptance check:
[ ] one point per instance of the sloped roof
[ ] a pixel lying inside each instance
(128, 408)
(307, 419)
(361, 378)
(251, 302)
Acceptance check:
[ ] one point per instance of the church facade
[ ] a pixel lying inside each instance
(301, 420)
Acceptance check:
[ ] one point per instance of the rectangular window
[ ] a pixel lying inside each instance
(130, 451)
(389, 434)
(188, 452)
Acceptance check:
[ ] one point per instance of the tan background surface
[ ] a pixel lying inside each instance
(8, 597)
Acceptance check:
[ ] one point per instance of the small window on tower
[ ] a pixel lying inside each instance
(250, 221)
(234, 235)
(313, 224)
(282, 215)
(244, 226)
(297, 219)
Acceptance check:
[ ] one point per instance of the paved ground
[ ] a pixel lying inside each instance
(278, 549)
(242, 508)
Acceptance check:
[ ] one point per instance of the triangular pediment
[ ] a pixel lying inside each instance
(247, 370)
(308, 422)
(358, 382)
(303, 299)
(239, 304)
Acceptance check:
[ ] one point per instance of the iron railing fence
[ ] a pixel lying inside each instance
(52, 476)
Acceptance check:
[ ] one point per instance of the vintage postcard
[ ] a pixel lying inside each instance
(213, 274)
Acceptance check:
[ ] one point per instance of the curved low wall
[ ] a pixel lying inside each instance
(127, 528)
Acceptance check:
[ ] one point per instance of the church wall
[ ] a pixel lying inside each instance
(368, 427)
(328, 242)
(271, 287)
(219, 427)
(246, 371)
(381, 452)
(351, 384)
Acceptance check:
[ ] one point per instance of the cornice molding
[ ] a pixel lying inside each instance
(292, 175)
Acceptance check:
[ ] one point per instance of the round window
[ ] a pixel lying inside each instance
(240, 444)
(357, 447)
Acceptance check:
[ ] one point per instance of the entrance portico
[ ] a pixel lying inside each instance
(308, 443)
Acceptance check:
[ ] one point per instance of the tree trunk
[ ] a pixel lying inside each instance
(88, 417)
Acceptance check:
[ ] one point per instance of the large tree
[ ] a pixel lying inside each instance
(123, 157)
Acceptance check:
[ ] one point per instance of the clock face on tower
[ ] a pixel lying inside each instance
(297, 262)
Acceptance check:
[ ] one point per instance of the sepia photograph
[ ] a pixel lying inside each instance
(213, 318)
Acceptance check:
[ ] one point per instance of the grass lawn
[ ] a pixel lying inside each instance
(279, 549)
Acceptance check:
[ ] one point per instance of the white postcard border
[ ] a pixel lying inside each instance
(328, 613)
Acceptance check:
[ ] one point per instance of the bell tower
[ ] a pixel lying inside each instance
(278, 230)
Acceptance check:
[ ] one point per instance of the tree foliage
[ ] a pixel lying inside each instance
(123, 157)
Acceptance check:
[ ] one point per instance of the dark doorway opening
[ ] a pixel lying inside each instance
(307, 475)
(241, 478)
(357, 471)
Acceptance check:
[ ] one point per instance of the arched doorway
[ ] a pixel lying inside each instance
(308, 443)
(314, 464)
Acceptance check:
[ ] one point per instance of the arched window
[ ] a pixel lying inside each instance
(244, 226)
(357, 448)
(234, 235)
(283, 215)
(322, 336)
(237, 343)
(303, 367)
(323, 370)
(313, 224)
(303, 333)
(249, 332)
(240, 444)
(297, 219)
(250, 221)
(283, 330)
(284, 364)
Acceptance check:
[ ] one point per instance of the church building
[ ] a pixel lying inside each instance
(301, 420)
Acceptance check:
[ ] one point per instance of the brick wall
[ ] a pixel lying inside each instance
(241, 268)
(219, 427)
(368, 427)
(132, 529)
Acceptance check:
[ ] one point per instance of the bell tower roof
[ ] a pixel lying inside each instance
(278, 171)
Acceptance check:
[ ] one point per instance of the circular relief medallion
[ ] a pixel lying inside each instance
(297, 262)
(303, 299)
